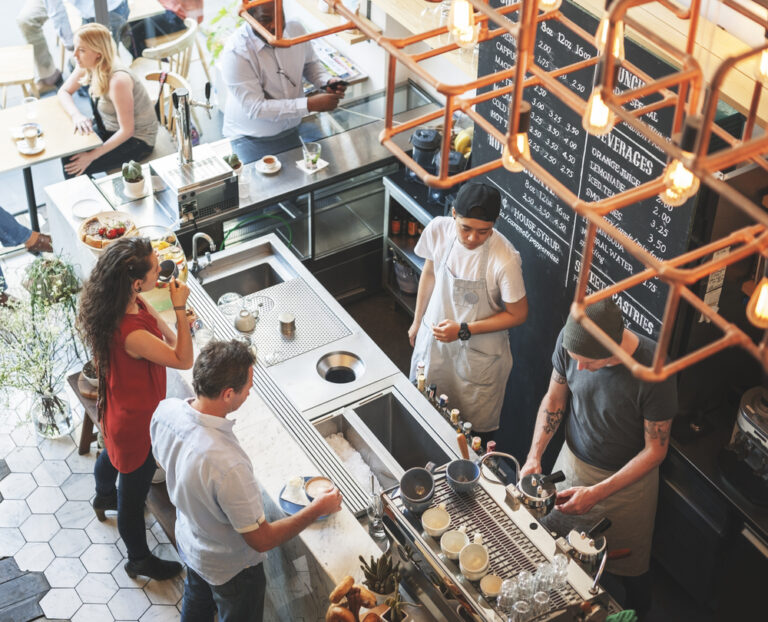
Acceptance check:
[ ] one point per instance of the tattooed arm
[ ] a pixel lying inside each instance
(548, 420)
(580, 499)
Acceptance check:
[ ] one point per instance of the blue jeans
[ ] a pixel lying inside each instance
(131, 495)
(117, 18)
(241, 599)
(11, 234)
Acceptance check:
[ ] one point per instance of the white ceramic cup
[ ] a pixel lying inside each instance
(269, 162)
(453, 541)
(436, 521)
(490, 585)
(30, 136)
(474, 560)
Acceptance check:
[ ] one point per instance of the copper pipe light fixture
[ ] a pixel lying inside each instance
(687, 91)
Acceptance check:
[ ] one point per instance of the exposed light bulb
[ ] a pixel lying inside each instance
(549, 5)
(757, 307)
(681, 184)
(461, 24)
(762, 68)
(601, 38)
(598, 118)
(508, 160)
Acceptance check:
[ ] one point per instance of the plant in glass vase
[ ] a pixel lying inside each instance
(37, 350)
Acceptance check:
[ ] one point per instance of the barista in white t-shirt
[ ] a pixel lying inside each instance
(470, 292)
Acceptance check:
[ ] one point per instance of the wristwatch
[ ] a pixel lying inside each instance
(464, 333)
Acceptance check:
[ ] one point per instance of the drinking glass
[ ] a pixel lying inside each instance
(311, 153)
(521, 612)
(244, 181)
(201, 333)
(507, 596)
(525, 585)
(375, 511)
(230, 304)
(540, 603)
(544, 577)
(30, 108)
(560, 571)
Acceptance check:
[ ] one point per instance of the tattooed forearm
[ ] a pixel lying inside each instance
(658, 431)
(558, 378)
(554, 417)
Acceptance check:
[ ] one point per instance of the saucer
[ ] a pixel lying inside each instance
(18, 132)
(21, 145)
(264, 170)
(85, 208)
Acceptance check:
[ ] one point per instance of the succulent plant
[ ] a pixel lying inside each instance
(381, 575)
(233, 160)
(132, 171)
(397, 607)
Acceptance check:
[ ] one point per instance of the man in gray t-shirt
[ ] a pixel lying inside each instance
(617, 434)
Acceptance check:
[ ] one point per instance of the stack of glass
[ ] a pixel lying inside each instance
(526, 596)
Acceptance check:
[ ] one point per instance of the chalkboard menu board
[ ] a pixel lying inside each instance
(546, 232)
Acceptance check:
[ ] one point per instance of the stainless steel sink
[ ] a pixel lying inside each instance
(245, 269)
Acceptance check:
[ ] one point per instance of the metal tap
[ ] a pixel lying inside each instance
(181, 104)
(211, 247)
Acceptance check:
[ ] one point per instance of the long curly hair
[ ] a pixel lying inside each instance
(98, 38)
(105, 298)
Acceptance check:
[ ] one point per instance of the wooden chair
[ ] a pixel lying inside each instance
(173, 81)
(173, 55)
(17, 68)
(155, 41)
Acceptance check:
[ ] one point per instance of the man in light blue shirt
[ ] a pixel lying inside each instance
(35, 13)
(266, 94)
(210, 480)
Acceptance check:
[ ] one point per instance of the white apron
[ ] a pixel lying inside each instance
(473, 373)
(632, 511)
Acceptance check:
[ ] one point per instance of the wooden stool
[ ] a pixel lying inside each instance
(17, 67)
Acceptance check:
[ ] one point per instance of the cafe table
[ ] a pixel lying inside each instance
(57, 134)
(142, 9)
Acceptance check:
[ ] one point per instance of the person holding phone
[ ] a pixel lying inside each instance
(266, 84)
(131, 346)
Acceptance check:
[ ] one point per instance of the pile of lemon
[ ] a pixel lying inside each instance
(463, 141)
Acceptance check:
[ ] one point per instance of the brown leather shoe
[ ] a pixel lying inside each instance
(7, 301)
(41, 245)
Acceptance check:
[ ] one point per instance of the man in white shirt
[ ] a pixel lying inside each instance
(34, 14)
(471, 291)
(221, 531)
(266, 94)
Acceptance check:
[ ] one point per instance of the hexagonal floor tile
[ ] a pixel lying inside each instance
(75, 514)
(24, 436)
(65, 572)
(81, 464)
(17, 485)
(6, 445)
(101, 558)
(60, 603)
(165, 592)
(24, 459)
(34, 556)
(97, 587)
(123, 580)
(159, 533)
(93, 613)
(13, 513)
(128, 604)
(160, 613)
(70, 543)
(51, 473)
(103, 532)
(40, 528)
(79, 487)
(11, 541)
(46, 500)
(56, 449)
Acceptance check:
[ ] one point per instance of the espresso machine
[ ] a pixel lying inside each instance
(744, 463)
(198, 184)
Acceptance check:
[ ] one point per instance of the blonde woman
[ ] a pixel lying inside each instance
(123, 115)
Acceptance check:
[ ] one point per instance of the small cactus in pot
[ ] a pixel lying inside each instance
(381, 575)
(133, 179)
(234, 162)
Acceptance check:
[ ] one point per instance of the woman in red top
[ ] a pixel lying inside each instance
(131, 346)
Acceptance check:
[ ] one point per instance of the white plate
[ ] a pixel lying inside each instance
(267, 171)
(21, 145)
(85, 208)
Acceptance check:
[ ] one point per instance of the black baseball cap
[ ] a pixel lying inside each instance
(478, 200)
(577, 339)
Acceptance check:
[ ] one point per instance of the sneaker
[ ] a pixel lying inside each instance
(152, 567)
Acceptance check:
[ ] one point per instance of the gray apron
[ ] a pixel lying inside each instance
(632, 511)
(473, 373)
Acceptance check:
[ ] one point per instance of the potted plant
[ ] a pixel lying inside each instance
(133, 179)
(381, 576)
(37, 351)
(234, 162)
(396, 611)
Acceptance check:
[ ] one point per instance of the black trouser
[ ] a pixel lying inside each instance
(241, 599)
(131, 149)
(638, 591)
(131, 495)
